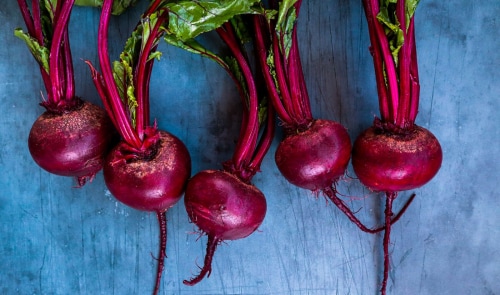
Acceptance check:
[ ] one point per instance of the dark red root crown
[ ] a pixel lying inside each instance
(212, 244)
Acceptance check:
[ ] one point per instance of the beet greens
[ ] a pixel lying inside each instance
(119, 6)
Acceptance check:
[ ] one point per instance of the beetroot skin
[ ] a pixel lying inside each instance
(315, 158)
(73, 143)
(392, 162)
(149, 184)
(223, 206)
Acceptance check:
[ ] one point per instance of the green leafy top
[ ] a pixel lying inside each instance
(39, 42)
(188, 19)
(40, 53)
(119, 6)
(287, 16)
(388, 17)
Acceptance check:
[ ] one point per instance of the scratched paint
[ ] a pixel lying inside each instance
(59, 240)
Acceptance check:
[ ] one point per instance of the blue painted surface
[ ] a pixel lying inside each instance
(59, 240)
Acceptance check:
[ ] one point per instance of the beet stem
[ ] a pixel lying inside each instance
(248, 136)
(207, 264)
(331, 193)
(390, 196)
(162, 221)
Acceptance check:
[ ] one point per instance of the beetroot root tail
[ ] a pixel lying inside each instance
(331, 193)
(207, 264)
(390, 196)
(162, 220)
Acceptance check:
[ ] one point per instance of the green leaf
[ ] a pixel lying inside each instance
(263, 108)
(39, 52)
(287, 16)
(193, 46)
(272, 69)
(393, 32)
(188, 19)
(235, 69)
(411, 6)
(119, 6)
(387, 17)
(49, 6)
(241, 29)
(124, 79)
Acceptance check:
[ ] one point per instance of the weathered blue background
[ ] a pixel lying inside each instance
(55, 239)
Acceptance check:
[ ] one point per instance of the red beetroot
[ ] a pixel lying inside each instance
(315, 158)
(394, 154)
(72, 136)
(153, 182)
(149, 168)
(315, 153)
(224, 208)
(223, 203)
(72, 143)
(392, 162)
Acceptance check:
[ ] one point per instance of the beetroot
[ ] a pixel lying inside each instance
(71, 137)
(315, 158)
(315, 152)
(149, 168)
(391, 162)
(224, 208)
(154, 182)
(394, 154)
(72, 143)
(223, 203)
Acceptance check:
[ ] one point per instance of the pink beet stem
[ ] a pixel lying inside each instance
(143, 73)
(68, 67)
(113, 100)
(378, 34)
(162, 221)
(264, 142)
(390, 196)
(262, 47)
(207, 264)
(415, 84)
(61, 19)
(247, 140)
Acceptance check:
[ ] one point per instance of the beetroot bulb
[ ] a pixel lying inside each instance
(149, 168)
(315, 152)
(224, 204)
(394, 154)
(72, 136)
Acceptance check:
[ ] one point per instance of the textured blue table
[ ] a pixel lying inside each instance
(55, 239)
